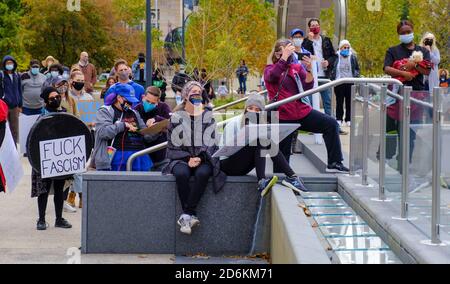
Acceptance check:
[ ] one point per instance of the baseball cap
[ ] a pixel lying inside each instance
(125, 91)
(295, 31)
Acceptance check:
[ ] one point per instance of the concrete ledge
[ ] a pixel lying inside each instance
(137, 212)
(317, 154)
(293, 239)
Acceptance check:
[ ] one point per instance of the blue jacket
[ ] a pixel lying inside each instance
(10, 90)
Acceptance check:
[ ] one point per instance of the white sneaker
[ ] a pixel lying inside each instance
(348, 123)
(185, 224)
(68, 208)
(194, 221)
(340, 123)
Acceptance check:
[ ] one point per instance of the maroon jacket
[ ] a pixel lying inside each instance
(273, 74)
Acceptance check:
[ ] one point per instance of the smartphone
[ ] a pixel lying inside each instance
(301, 55)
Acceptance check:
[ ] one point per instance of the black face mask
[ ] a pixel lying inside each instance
(78, 86)
(125, 106)
(54, 103)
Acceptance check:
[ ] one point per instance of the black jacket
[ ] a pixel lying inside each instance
(355, 68)
(328, 51)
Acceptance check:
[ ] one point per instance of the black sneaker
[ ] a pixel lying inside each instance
(41, 225)
(337, 167)
(63, 223)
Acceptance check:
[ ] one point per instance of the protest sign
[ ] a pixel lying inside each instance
(88, 110)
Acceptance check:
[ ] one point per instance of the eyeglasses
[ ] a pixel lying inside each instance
(346, 48)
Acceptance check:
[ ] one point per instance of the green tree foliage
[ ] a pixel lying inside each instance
(11, 32)
(63, 34)
(223, 32)
(371, 32)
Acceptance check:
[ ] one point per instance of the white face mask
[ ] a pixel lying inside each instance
(297, 42)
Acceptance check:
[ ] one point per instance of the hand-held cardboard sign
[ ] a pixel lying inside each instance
(59, 145)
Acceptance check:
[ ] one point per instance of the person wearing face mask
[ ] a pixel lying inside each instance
(322, 48)
(284, 79)
(191, 144)
(429, 43)
(77, 85)
(297, 38)
(67, 101)
(41, 188)
(139, 68)
(54, 71)
(152, 111)
(345, 67)
(123, 73)
(159, 81)
(89, 71)
(11, 93)
(405, 30)
(249, 157)
(32, 82)
(117, 127)
(46, 63)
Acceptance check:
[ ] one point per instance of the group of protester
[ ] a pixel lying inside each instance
(123, 125)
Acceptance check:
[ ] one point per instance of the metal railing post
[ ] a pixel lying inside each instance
(382, 142)
(406, 113)
(436, 193)
(352, 170)
(365, 145)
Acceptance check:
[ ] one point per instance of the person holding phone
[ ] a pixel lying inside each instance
(429, 43)
(284, 79)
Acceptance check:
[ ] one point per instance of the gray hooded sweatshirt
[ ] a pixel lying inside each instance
(105, 131)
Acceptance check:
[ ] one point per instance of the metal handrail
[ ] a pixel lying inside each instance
(328, 85)
(238, 101)
(158, 147)
(396, 96)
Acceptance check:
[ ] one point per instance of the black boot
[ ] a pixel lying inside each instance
(41, 225)
(62, 223)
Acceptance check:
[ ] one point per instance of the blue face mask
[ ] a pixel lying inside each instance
(345, 52)
(196, 101)
(148, 107)
(407, 39)
(35, 71)
(9, 67)
(54, 74)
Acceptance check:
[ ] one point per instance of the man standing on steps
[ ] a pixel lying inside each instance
(89, 71)
(322, 47)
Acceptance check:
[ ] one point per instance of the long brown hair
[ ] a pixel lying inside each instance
(277, 48)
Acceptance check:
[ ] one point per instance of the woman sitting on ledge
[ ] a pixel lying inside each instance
(250, 157)
(191, 144)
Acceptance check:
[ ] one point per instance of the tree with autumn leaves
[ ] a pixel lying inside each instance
(372, 31)
(223, 32)
(36, 29)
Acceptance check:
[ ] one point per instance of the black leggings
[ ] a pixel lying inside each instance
(58, 198)
(316, 122)
(343, 93)
(190, 196)
(249, 158)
